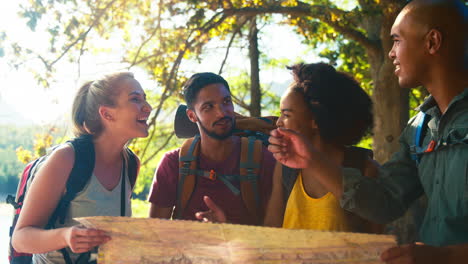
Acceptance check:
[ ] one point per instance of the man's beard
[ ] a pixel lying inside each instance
(224, 136)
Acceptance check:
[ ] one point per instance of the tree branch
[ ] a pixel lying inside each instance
(171, 135)
(236, 31)
(322, 13)
(83, 35)
(240, 102)
(156, 29)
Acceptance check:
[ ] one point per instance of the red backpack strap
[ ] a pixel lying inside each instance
(188, 155)
(251, 157)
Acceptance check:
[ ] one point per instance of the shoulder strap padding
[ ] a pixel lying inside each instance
(188, 154)
(133, 167)
(288, 176)
(251, 157)
(80, 174)
(356, 157)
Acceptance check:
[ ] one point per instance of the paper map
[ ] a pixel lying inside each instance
(146, 240)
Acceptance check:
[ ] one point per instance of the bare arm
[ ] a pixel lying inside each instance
(371, 170)
(160, 212)
(274, 213)
(40, 202)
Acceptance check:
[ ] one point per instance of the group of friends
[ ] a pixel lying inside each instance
(323, 113)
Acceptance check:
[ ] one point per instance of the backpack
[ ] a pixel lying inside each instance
(421, 128)
(251, 156)
(79, 176)
(354, 157)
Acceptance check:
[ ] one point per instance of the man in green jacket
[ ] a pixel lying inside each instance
(429, 48)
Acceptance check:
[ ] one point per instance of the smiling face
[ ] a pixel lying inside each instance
(130, 114)
(408, 51)
(295, 114)
(213, 111)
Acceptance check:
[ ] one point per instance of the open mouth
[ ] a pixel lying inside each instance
(143, 120)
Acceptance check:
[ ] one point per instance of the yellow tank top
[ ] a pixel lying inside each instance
(305, 212)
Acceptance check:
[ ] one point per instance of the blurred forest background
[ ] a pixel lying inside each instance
(166, 41)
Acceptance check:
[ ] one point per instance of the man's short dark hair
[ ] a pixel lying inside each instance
(199, 80)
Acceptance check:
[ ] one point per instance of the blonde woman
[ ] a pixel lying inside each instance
(108, 112)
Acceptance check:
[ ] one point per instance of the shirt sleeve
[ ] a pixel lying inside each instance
(164, 190)
(387, 197)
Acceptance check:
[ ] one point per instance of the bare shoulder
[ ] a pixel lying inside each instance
(59, 164)
(64, 154)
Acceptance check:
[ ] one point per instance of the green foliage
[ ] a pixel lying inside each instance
(366, 142)
(160, 36)
(140, 208)
(10, 168)
(417, 96)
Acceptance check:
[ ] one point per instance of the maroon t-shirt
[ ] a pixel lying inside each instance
(164, 190)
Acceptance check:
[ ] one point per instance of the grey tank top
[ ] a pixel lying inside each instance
(93, 200)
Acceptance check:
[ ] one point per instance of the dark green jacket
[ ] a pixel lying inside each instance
(441, 174)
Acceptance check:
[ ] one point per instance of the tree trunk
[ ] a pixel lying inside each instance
(391, 112)
(255, 92)
(390, 101)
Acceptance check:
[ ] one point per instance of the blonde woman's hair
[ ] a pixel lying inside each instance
(91, 95)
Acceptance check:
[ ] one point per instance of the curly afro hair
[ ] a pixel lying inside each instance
(341, 108)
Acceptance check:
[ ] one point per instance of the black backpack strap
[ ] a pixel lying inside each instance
(356, 157)
(79, 176)
(66, 256)
(122, 189)
(288, 176)
(133, 166)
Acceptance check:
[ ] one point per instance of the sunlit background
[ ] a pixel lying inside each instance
(25, 104)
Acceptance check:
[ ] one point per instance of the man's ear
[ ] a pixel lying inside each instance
(106, 113)
(433, 41)
(191, 115)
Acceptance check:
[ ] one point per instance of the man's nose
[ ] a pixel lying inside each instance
(279, 122)
(220, 111)
(391, 54)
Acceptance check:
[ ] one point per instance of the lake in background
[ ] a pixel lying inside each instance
(5, 222)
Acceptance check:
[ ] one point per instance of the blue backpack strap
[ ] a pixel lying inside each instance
(418, 136)
(251, 157)
(188, 155)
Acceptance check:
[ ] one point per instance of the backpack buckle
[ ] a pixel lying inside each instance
(11, 200)
(430, 147)
(212, 175)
